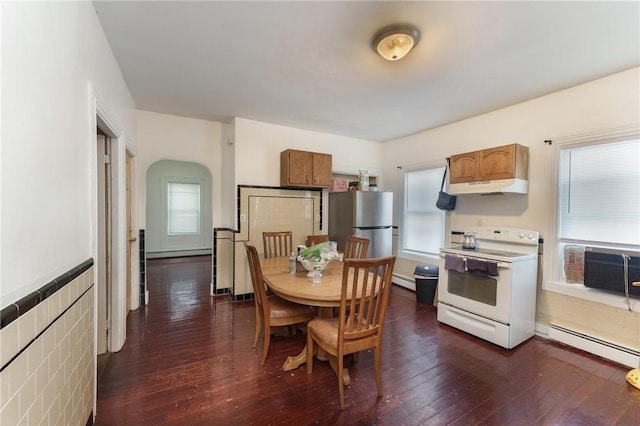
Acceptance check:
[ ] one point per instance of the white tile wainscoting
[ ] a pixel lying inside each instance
(47, 356)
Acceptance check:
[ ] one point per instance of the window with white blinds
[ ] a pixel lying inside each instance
(423, 221)
(183, 208)
(597, 206)
(599, 194)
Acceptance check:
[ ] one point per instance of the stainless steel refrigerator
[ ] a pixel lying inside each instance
(365, 214)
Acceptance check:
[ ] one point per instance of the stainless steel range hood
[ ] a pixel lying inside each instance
(502, 186)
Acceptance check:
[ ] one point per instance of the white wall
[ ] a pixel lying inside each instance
(604, 103)
(51, 52)
(228, 192)
(167, 137)
(56, 64)
(258, 146)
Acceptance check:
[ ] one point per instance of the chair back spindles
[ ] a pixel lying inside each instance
(277, 243)
(356, 247)
(362, 312)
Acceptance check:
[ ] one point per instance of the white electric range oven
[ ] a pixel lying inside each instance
(490, 291)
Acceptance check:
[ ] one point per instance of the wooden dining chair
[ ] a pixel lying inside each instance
(366, 285)
(271, 311)
(356, 247)
(312, 240)
(277, 243)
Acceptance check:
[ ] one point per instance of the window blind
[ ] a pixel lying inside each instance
(183, 210)
(600, 193)
(423, 221)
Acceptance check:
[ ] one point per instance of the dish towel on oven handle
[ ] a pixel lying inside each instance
(482, 267)
(455, 263)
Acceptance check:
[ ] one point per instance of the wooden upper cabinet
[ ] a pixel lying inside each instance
(321, 169)
(464, 167)
(502, 162)
(299, 168)
(305, 169)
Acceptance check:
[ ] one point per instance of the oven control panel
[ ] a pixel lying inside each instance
(507, 235)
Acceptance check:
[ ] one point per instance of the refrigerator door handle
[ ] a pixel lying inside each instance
(374, 227)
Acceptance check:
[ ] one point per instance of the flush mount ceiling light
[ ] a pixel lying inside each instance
(395, 41)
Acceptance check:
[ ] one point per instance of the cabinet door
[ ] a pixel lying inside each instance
(464, 167)
(321, 169)
(498, 163)
(300, 167)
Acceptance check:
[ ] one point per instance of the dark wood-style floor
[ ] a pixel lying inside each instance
(188, 360)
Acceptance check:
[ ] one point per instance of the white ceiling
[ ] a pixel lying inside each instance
(309, 64)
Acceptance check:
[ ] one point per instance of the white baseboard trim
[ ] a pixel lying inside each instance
(403, 281)
(177, 253)
(594, 345)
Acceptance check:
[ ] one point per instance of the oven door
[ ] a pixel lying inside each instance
(484, 295)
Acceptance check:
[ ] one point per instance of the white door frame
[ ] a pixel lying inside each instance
(102, 118)
(102, 263)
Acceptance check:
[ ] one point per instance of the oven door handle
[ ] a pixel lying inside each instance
(501, 265)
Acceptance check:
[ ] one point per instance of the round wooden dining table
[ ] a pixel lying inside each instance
(299, 288)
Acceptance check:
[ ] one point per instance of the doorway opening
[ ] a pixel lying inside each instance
(104, 259)
(179, 210)
(113, 237)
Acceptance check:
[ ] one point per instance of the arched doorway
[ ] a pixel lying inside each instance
(178, 209)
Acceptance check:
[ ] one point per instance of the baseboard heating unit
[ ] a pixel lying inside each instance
(608, 350)
(404, 282)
